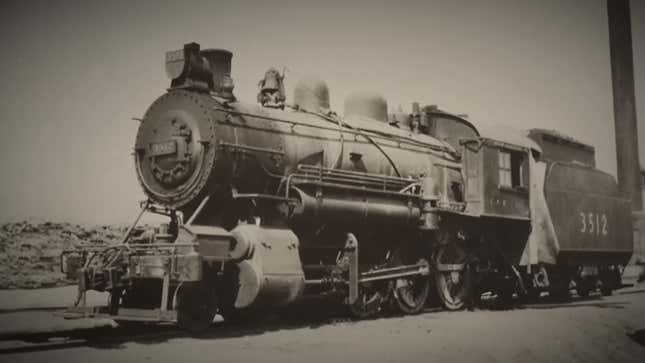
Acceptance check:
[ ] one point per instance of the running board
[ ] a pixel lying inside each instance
(100, 312)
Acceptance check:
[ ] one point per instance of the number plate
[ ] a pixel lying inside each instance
(163, 148)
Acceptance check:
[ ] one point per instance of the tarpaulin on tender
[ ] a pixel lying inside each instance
(542, 246)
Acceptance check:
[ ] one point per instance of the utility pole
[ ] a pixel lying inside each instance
(622, 75)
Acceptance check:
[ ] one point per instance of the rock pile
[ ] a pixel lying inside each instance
(30, 252)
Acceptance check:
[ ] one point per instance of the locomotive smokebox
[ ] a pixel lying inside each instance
(174, 148)
(366, 104)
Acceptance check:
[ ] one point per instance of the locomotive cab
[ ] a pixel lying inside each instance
(496, 178)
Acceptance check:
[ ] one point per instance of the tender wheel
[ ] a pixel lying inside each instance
(609, 280)
(605, 287)
(453, 279)
(584, 287)
(506, 291)
(559, 289)
(196, 307)
(411, 294)
(606, 291)
(583, 291)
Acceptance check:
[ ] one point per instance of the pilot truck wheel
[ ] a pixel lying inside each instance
(197, 306)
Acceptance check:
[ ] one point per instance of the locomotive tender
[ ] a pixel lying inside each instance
(271, 204)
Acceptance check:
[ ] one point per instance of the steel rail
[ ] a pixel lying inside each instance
(35, 342)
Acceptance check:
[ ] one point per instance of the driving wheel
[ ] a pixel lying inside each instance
(411, 293)
(452, 279)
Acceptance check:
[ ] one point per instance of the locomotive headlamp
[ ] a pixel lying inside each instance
(175, 63)
(188, 69)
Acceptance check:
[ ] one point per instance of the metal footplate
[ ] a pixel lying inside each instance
(146, 315)
(101, 312)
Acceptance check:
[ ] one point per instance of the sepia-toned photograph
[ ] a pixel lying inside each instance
(322, 181)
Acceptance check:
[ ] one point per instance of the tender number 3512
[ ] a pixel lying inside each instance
(593, 223)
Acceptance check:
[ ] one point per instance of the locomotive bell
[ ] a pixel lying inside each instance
(311, 94)
(271, 81)
(366, 104)
(271, 92)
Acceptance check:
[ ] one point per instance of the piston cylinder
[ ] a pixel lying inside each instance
(273, 275)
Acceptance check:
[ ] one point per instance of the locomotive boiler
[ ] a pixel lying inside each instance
(272, 204)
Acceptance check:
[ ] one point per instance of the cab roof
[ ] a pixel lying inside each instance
(509, 135)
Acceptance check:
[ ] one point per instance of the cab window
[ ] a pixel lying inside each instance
(510, 166)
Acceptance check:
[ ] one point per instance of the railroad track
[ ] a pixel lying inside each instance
(110, 336)
(99, 337)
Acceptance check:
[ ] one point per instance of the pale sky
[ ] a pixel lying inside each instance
(74, 73)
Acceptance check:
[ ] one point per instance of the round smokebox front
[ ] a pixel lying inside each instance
(174, 148)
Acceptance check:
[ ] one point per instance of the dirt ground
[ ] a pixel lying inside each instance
(30, 250)
(596, 329)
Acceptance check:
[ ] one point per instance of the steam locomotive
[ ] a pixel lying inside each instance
(272, 204)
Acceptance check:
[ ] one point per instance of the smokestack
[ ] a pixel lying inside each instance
(219, 61)
(622, 75)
